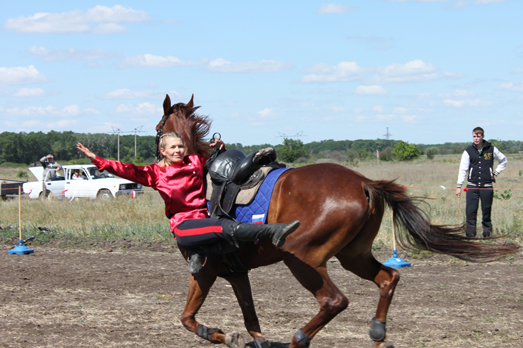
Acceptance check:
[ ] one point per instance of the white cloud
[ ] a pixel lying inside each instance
(338, 109)
(467, 102)
(383, 117)
(265, 113)
(419, 0)
(20, 76)
(400, 110)
(371, 90)
(518, 71)
(409, 118)
(125, 93)
(334, 8)
(451, 75)
(360, 118)
(70, 110)
(512, 86)
(42, 124)
(264, 66)
(458, 93)
(77, 21)
(71, 54)
(378, 108)
(151, 61)
(413, 71)
(344, 71)
(109, 28)
(25, 92)
(144, 108)
(106, 127)
(380, 44)
(457, 3)
(486, 2)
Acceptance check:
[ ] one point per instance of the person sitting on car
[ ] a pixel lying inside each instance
(77, 176)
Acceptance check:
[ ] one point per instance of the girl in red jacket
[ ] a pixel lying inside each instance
(179, 180)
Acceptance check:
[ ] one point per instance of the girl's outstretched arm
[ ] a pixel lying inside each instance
(86, 151)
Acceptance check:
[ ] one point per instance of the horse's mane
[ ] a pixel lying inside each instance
(192, 127)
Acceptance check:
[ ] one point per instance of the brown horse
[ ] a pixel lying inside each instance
(340, 217)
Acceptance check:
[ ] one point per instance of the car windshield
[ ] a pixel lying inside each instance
(96, 174)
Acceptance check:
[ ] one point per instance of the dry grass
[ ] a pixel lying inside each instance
(144, 217)
(141, 218)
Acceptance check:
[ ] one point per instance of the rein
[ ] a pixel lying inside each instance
(159, 134)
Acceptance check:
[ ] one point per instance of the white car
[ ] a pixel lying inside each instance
(91, 183)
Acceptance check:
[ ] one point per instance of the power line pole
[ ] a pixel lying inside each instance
(137, 129)
(387, 136)
(118, 131)
(297, 135)
(118, 144)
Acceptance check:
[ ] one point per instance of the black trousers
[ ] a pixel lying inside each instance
(194, 234)
(474, 195)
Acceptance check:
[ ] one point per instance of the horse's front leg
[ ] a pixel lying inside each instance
(242, 289)
(199, 287)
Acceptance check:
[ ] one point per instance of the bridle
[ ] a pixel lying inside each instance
(159, 134)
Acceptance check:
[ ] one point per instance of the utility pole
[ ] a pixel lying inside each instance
(387, 136)
(118, 131)
(137, 129)
(297, 135)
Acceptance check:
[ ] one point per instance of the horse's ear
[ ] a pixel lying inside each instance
(167, 105)
(190, 104)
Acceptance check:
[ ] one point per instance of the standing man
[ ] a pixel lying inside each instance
(48, 163)
(478, 161)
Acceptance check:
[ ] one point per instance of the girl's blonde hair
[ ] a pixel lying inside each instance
(161, 145)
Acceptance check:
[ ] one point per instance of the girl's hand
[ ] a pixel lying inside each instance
(86, 151)
(219, 143)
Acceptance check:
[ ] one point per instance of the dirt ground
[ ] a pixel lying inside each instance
(127, 296)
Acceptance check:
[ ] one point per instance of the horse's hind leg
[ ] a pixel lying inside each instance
(367, 267)
(330, 298)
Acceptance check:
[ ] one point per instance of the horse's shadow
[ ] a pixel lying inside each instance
(272, 345)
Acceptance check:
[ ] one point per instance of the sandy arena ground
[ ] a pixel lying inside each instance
(132, 296)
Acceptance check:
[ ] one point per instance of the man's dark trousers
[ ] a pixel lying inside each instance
(474, 194)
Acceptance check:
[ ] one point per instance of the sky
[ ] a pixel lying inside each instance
(421, 71)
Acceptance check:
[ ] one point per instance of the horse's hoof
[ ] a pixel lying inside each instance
(386, 345)
(234, 340)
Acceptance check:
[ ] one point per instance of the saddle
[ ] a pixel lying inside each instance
(232, 172)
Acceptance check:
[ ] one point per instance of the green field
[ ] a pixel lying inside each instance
(143, 218)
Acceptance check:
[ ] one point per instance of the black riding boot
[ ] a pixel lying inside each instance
(252, 232)
(237, 232)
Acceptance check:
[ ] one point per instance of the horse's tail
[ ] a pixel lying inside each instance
(414, 230)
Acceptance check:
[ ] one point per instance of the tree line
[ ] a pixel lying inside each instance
(30, 147)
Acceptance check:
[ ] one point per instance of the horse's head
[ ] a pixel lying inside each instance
(181, 118)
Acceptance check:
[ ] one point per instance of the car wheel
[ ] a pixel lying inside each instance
(44, 195)
(104, 195)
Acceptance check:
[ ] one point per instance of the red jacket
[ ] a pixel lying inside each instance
(179, 184)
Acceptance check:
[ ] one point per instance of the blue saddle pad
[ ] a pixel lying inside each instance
(256, 211)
